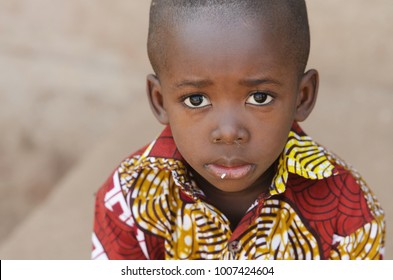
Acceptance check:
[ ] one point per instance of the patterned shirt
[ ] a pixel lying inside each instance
(317, 207)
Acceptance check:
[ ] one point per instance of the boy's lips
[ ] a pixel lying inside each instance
(234, 169)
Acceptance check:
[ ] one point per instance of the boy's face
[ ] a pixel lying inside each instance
(230, 95)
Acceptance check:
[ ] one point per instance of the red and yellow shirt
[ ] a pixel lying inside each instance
(317, 208)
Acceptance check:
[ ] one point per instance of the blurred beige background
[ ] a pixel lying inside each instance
(72, 79)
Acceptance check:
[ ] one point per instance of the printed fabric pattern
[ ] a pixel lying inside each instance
(318, 207)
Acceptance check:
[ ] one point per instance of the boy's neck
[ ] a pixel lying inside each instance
(234, 205)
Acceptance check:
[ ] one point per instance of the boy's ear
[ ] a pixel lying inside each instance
(154, 93)
(307, 95)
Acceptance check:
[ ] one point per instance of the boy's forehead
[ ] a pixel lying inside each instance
(231, 22)
(221, 52)
(233, 35)
(212, 38)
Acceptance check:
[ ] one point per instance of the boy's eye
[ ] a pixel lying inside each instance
(259, 99)
(196, 101)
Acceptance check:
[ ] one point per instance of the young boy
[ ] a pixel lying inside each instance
(233, 176)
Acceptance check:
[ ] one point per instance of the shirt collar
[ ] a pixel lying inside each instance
(301, 156)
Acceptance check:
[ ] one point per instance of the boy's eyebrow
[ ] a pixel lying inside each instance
(251, 82)
(194, 83)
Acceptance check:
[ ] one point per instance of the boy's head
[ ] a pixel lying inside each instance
(287, 18)
(230, 82)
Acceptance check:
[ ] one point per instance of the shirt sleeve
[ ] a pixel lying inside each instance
(366, 243)
(360, 223)
(115, 236)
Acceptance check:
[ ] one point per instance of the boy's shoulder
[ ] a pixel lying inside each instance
(158, 161)
(343, 199)
(160, 154)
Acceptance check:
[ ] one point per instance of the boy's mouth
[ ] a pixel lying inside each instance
(229, 169)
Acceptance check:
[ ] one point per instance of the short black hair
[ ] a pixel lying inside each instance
(165, 15)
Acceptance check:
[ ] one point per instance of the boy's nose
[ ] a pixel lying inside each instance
(229, 131)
